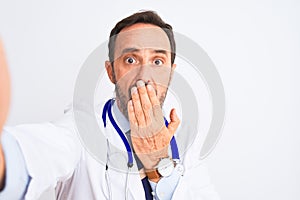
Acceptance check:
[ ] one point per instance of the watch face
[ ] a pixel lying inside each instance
(165, 167)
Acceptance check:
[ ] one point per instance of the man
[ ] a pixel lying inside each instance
(49, 155)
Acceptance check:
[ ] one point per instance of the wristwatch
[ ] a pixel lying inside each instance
(164, 168)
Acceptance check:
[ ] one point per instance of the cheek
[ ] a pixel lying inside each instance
(120, 69)
(161, 90)
(125, 80)
(126, 76)
(118, 74)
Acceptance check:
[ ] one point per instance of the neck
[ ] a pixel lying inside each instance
(122, 108)
(120, 118)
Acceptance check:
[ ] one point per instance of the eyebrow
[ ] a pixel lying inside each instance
(161, 51)
(132, 49)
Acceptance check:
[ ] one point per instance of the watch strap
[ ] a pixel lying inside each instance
(152, 174)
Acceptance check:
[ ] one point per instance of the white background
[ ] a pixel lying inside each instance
(255, 46)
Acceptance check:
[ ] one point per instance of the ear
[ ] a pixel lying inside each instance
(172, 72)
(110, 71)
(173, 67)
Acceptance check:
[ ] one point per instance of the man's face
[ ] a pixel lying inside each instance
(142, 52)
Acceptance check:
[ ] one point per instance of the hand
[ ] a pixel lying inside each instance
(4, 102)
(149, 135)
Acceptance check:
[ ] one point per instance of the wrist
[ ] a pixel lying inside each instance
(153, 175)
(164, 168)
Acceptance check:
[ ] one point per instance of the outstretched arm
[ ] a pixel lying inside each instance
(4, 103)
(13, 174)
(34, 156)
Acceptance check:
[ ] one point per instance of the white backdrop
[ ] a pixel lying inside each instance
(255, 46)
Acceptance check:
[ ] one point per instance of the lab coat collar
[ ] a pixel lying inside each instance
(121, 120)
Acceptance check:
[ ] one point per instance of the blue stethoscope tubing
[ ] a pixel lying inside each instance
(107, 110)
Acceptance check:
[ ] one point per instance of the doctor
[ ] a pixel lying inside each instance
(49, 155)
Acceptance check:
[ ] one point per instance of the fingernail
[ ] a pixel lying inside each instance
(149, 87)
(130, 102)
(133, 90)
(140, 83)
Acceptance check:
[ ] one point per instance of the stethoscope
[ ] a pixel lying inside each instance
(107, 111)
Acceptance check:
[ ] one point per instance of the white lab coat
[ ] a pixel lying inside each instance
(56, 159)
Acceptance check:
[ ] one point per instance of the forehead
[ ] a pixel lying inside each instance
(141, 36)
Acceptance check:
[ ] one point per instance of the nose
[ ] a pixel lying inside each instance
(144, 73)
(145, 69)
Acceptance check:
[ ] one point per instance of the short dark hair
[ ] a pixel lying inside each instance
(147, 17)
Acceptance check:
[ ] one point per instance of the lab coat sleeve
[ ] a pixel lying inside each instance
(51, 152)
(165, 188)
(196, 184)
(16, 175)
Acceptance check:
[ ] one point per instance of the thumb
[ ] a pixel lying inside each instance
(175, 121)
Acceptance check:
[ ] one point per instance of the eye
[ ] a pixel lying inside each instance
(158, 62)
(130, 60)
